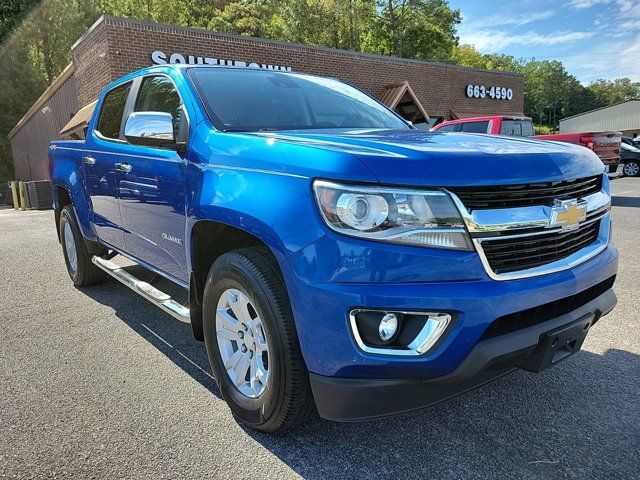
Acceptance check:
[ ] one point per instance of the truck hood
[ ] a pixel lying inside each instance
(417, 158)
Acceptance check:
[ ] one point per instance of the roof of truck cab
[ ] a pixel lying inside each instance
(484, 119)
(187, 66)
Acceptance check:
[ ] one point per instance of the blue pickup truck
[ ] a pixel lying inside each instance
(335, 259)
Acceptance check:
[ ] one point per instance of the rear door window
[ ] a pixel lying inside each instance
(475, 127)
(450, 128)
(112, 109)
(518, 128)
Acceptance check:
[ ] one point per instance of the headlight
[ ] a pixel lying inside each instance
(413, 217)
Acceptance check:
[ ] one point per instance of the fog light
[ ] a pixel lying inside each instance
(388, 327)
(385, 332)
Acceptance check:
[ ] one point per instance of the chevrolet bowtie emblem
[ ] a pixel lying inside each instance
(567, 214)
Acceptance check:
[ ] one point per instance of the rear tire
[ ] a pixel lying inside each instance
(76, 256)
(631, 168)
(231, 330)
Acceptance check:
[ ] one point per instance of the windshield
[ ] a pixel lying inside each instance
(628, 147)
(518, 128)
(252, 99)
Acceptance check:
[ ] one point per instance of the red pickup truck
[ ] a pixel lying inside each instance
(605, 144)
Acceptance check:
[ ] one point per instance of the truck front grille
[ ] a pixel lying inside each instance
(523, 195)
(515, 253)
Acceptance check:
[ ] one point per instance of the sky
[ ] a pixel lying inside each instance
(593, 38)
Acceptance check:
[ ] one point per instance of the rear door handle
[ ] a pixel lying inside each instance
(123, 167)
(89, 160)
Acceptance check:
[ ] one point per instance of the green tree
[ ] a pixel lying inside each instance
(608, 92)
(421, 29)
(11, 13)
(467, 56)
(548, 87)
(256, 18)
(20, 85)
(329, 23)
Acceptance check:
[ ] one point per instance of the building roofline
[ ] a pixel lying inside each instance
(148, 23)
(95, 25)
(42, 99)
(600, 108)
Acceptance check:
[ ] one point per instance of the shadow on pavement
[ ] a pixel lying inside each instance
(170, 336)
(577, 420)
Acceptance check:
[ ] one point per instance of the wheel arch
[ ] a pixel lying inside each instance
(209, 239)
(61, 198)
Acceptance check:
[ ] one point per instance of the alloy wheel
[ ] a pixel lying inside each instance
(242, 343)
(70, 248)
(631, 169)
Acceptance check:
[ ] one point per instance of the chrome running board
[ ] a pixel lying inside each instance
(144, 289)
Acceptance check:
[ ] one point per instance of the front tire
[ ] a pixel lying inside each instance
(252, 342)
(76, 256)
(631, 168)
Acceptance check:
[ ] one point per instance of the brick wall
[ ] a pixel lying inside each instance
(93, 69)
(116, 46)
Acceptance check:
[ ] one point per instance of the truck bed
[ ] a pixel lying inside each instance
(605, 144)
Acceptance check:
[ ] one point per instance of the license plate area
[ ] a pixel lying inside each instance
(558, 344)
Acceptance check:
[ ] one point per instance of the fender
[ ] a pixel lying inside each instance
(67, 173)
(262, 186)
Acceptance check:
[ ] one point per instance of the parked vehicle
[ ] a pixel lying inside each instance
(630, 160)
(605, 144)
(631, 142)
(333, 258)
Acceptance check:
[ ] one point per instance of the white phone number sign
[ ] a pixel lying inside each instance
(496, 93)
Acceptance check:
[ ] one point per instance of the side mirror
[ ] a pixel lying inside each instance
(152, 129)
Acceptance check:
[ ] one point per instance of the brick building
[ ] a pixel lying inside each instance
(115, 46)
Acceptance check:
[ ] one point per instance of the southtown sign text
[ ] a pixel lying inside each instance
(160, 58)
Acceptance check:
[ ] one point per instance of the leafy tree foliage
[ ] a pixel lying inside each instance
(11, 13)
(421, 29)
(256, 19)
(608, 92)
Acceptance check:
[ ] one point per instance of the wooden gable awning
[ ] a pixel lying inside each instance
(401, 98)
(79, 121)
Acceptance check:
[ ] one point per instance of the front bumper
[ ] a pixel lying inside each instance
(333, 275)
(615, 170)
(349, 399)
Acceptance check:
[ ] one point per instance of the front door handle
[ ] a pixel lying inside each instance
(123, 167)
(89, 160)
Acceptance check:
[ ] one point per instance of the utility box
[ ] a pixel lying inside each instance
(40, 195)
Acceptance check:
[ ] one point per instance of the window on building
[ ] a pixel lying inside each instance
(112, 110)
(159, 94)
(475, 127)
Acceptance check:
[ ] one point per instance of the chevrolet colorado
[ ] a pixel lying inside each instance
(335, 259)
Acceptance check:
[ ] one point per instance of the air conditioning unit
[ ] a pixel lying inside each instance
(40, 195)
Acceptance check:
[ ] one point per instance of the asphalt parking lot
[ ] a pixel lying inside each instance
(97, 383)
